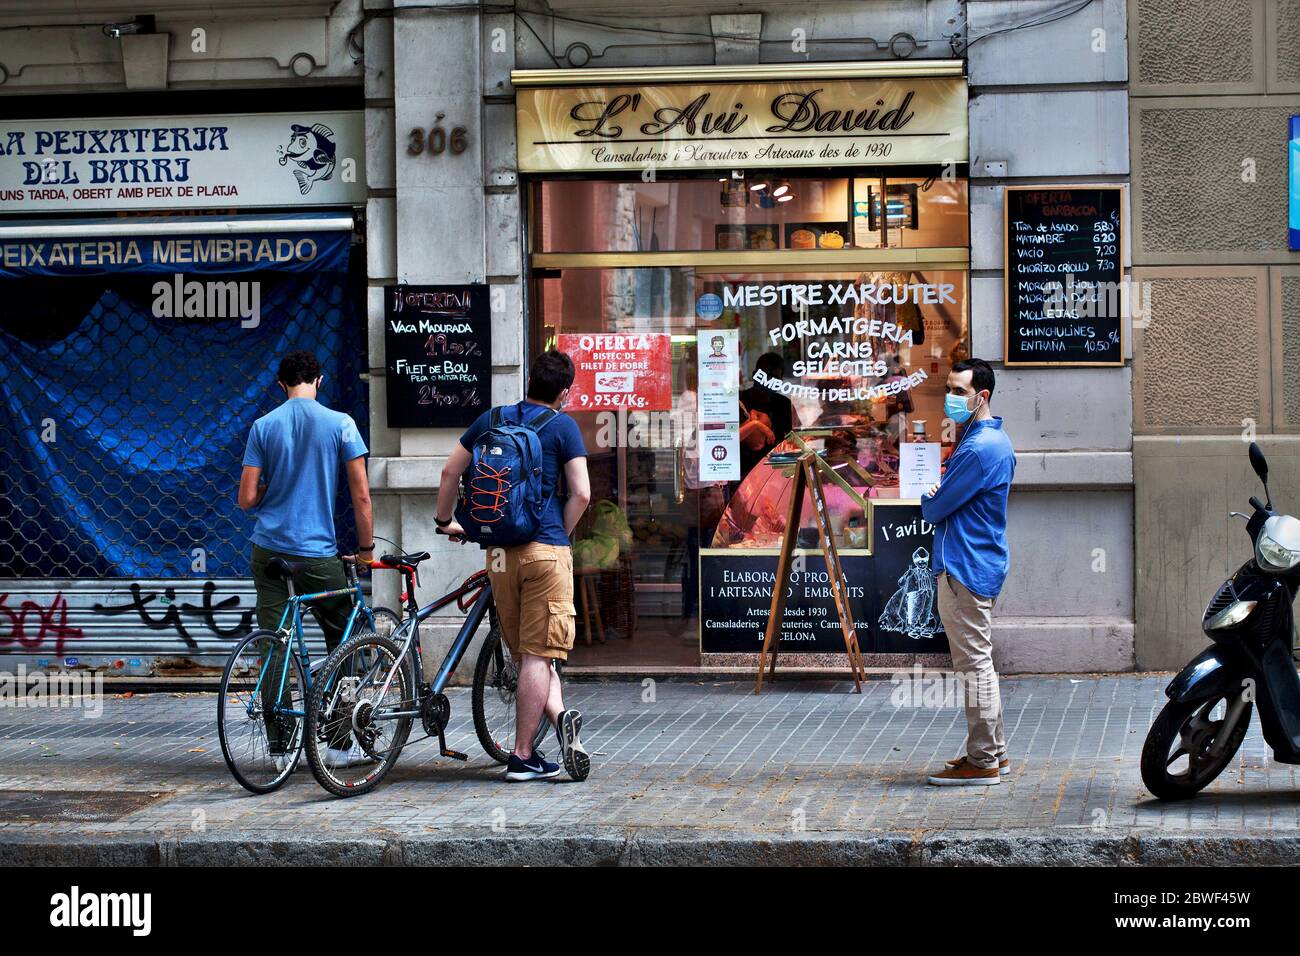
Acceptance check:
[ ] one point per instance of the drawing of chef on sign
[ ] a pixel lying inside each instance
(911, 609)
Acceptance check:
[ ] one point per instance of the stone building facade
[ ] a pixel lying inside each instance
(1118, 517)
(1214, 364)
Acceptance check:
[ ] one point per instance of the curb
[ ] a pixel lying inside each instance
(658, 847)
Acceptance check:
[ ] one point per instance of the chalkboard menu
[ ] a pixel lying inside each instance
(1064, 262)
(891, 594)
(438, 354)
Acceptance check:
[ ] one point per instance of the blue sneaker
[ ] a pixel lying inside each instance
(572, 752)
(536, 767)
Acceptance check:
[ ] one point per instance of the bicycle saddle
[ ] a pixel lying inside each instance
(409, 560)
(284, 570)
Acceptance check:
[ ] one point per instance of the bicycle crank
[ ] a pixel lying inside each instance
(436, 713)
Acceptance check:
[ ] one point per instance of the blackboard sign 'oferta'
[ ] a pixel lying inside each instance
(438, 354)
(1064, 298)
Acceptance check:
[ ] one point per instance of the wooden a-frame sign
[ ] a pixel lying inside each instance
(807, 477)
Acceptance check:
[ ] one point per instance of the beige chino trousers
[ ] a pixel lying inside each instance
(968, 620)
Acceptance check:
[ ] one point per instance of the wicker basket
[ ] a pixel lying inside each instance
(617, 598)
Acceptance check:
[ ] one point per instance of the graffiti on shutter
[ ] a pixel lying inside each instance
(152, 627)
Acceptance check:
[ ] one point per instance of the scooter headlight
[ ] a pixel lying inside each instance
(1231, 616)
(1273, 556)
(1278, 545)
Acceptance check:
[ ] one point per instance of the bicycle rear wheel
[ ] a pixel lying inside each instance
(350, 744)
(492, 699)
(260, 711)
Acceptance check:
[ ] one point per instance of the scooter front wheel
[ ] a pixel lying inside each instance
(1180, 757)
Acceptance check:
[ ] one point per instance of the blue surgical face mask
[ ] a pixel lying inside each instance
(954, 406)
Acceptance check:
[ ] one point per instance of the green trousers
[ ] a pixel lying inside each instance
(320, 574)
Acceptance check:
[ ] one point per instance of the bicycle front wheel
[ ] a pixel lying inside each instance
(260, 711)
(353, 738)
(496, 680)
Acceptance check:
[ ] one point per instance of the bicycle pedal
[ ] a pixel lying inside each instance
(455, 754)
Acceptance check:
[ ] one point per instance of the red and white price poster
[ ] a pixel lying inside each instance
(632, 370)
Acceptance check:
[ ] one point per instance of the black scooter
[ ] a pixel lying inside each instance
(1250, 664)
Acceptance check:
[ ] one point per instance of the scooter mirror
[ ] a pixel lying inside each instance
(1259, 462)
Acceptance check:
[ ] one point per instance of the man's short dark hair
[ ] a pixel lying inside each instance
(298, 368)
(771, 364)
(552, 373)
(981, 374)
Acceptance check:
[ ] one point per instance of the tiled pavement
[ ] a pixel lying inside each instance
(806, 761)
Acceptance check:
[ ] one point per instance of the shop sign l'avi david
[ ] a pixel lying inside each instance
(182, 162)
(743, 118)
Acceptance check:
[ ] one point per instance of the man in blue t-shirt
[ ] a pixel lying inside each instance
(290, 475)
(532, 583)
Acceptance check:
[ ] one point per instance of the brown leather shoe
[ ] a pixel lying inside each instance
(1004, 765)
(966, 774)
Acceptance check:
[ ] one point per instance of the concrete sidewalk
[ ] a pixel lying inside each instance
(684, 773)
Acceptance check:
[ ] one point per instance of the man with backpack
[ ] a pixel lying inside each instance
(512, 459)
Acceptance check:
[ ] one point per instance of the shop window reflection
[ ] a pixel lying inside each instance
(758, 212)
(850, 382)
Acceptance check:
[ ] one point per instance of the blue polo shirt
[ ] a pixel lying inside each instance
(969, 511)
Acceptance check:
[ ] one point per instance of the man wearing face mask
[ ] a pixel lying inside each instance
(968, 508)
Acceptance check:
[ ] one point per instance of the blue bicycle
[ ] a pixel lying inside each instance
(268, 680)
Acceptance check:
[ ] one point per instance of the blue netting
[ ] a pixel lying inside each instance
(148, 418)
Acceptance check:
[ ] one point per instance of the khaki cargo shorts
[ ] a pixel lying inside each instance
(532, 587)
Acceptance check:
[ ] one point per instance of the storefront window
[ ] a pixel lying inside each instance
(750, 266)
(755, 212)
(861, 356)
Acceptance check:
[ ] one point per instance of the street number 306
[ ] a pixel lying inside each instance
(438, 140)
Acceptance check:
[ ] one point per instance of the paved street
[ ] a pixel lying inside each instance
(809, 772)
